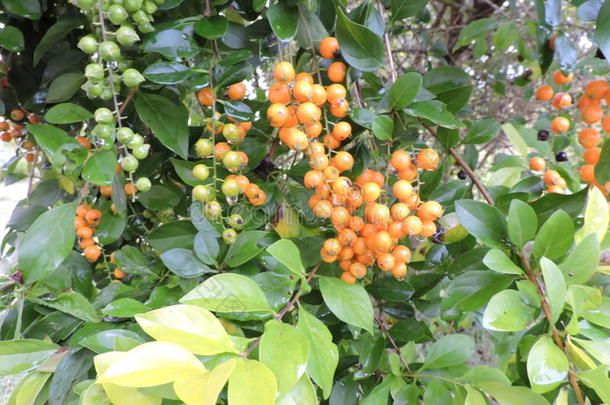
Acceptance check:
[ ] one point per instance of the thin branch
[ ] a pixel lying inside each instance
(540, 289)
(128, 100)
(395, 347)
(386, 40)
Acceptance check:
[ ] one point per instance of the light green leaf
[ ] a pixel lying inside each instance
(245, 248)
(448, 351)
(287, 253)
(555, 236)
(112, 340)
(28, 389)
(597, 216)
(383, 127)
(349, 302)
(228, 292)
(482, 221)
(17, 356)
(67, 113)
(252, 383)
(497, 260)
(522, 223)
(434, 111)
(285, 350)
(598, 380)
(515, 139)
(555, 287)
(303, 393)
(100, 168)
(124, 308)
(473, 396)
(547, 365)
(206, 247)
(507, 312)
(56, 144)
(71, 303)
(474, 30)
(283, 19)
(509, 395)
(203, 389)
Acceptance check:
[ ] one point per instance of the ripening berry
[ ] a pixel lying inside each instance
(560, 124)
(336, 72)
(283, 72)
(236, 91)
(329, 48)
(206, 97)
(544, 93)
(537, 164)
(560, 78)
(427, 159)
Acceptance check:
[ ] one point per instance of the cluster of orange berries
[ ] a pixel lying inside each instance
(85, 222)
(367, 230)
(591, 113)
(13, 129)
(297, 102)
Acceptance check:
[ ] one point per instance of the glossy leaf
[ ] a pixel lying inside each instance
(124, 308)
(497, 260)
(448, 351)
(166, 72)
(203, 389)
(283, 19)
(522, 223)
(112, 340)
(547, 365)
(510, 395)
(18, 356)
(213, 27)
(555, 287)
(597, 217)
(602, 38)
(483, 221)
(11, 39)
(581, 264)
(100, 168)
(360, 46)
(406, 8)
(555, 236)
(404, 90)
(252, 383)
(507, 311)
(383, 127)
(71, 303)
(184, 263)
(287, 253)
(349, 302)
(245, 248)
(434, 111)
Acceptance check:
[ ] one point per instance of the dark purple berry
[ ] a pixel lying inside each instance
(561, 157)
(543, 135)
(462, 175)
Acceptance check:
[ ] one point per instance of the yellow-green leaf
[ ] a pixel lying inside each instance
(151, 364)
(28, 389)
(252, 383)
(194, 328)
(515, 139)
(597, 216)
(203, 389)
(303, 393)
(94, 395)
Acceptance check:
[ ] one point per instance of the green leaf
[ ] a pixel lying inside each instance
(515, 139)
(285, 350)
(303, 393)
(47, 243)
(349, 302)
(245, 248)
(522, 223)
(434, 111)
(566, 52)
(555, 236)
(450, 350)
(404, 90)
(99, 169)
(161, 197)
(597, 216)
(71, 303)
(482, 131)
(581, 264)
(29, 389)
(213, 27)
(206, 247)
(602, 168)
(29, 9)
(189, 326)
(17, 356)
(204, 388)
(482, 221)
(547, 365)
(406, 8)
(506, 35)
(64, 87)
(11, 39)
(508, 395)
(551, 202)
(323, 353)
(497, 260)
(131, 260)
(602, 38)
(283, 19)
(360, 47)
(184, 263)
(55, 34)
(168, 121)
(474, 397)
(310, 30)
(56, 144)
(173, 43)
(475, 30)
(507, 311)
(67, 113)
(597, 378)
(383, 127)
(555, 287)
(124, 308)
(112, 340)
(228, 292)
(167, 72)
(252, 383)
(177, 234)
(287, 253)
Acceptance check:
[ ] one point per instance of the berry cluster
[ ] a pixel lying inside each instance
(591, 114)
(12, 129)
(85, 222)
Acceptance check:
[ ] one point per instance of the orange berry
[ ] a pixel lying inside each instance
(84, 142)
(314, 129)
(430, 211)
(336, 72)
(316, 147)
(370, 192)
(313, 179)
(335, 93)
(537, 164)
(82, 210)
(330, 141)
(428, 229)
(85, 243)
(357, 270)
(302, 91)
(130, 189)
(587, 173)
(399, 271)
(298, 141)
(318, 161)
(304, 76)
(402, 254)
(383, 241)
(279, 93)
(84, 232)
(329, 48)
(559, 78)
(339, 109)
(343, 161)
(92, 253)
(206, 97)
(80, 222)
(106, 191)
(560, 124)
(326, 257)
(591, 114)
(323, 209)
(378, 214)
(356, 223)
(93, 216)
(344, 264)
(308, 112)
(554, 189)
(544, 93)
(402, 189)
(561, 100)
(592, 155)
(409, 174)
(342, 130)
(606, 123)
(331, 173)
(277, 114)
(283, 72)
(221, 149)
(400, 160)
(341, 186)
(427, 159)
(596, 88)
(348, 277)
(347, 237)
(346, 253)
(386, 261)
(396, 229)
(118, 273)
(237, 91)
(318, 95)
(413, 224)
(400, 211)
(551, 177)
(589, 138)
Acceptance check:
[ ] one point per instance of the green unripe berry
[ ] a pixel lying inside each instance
(94, 71)
(106, 93)
(159, 2)
(150, 7)
(202, 193)
(124, 135)
(212, 210)
(132, 78)
(117, 14)
(229, 236)
(146, 28)
(141, 151)
(136, 141)
(86, 4)
(235, 221)
(140, 17)
(231, 133)
(132, 5)
(127, 36)
(88, 44)
(230, 188)
(201, 172)
(104, 116)
(231, 160)
(109, 51)
(143, 184)
(103, 131)
(106, 145)
(129, 164)
(204, 147)
(93, 89)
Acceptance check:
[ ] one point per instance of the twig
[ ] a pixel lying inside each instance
(31, 176)
(460, 161)
(547, 313)
(395, 347)
(128, 100)
(386, 40)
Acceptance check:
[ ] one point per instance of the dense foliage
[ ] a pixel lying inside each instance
(306, 201)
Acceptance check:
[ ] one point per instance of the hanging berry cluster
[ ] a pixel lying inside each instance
(12, 128)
